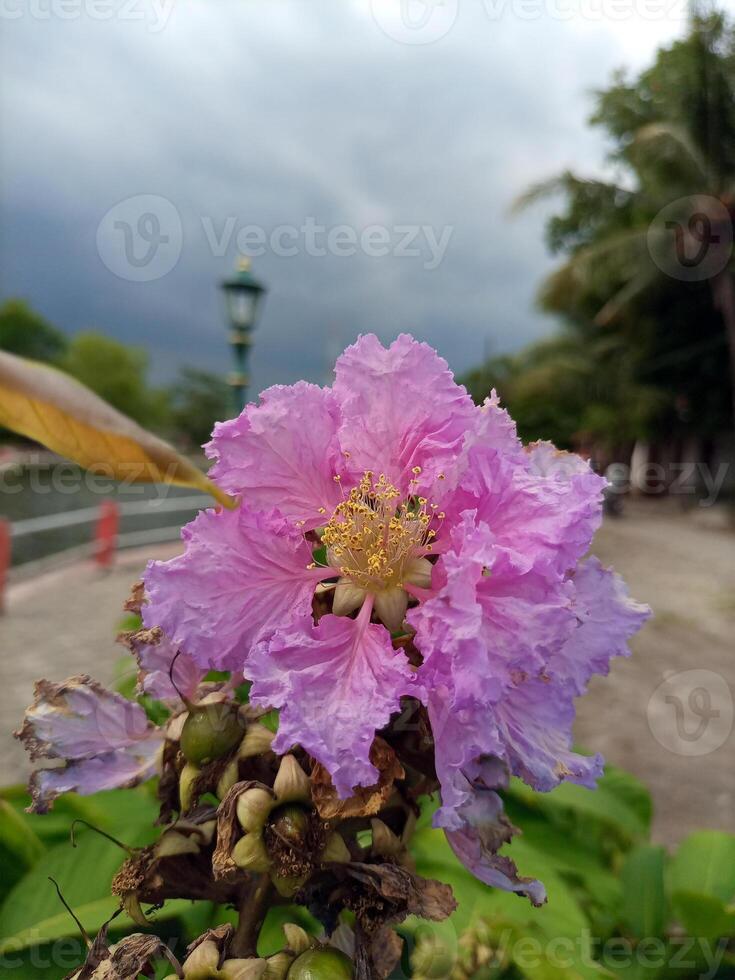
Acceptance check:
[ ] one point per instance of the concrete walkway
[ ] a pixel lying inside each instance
(56, 625)
(65, 623)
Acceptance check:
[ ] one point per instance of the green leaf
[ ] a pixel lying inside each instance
(621, 815)
(630, 791)
(561, 916)
(644, 900)
(703, 915)
(53, 828)
(92, 915)
(84, 873)
(574, 859)
(49, 406)
(20, 848)
(705, 864)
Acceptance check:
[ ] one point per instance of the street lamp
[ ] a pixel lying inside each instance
(243, 297)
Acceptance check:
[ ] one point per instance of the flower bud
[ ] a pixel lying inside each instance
(257, 739)
(250, 854)
(278, 965)
(290, 823)
(172, 843)
(228, 779)
(203, 962)
(291, 783)
(297, 939)
(385, 841)
(321, 963)
(211, 731)
(131, 904)
(287, 886)
(253, 807)
(188, 777)
(249, 969)
(336, 850)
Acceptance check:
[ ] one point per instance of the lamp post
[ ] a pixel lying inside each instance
(243, 297)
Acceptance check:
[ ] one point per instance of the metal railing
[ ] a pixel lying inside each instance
(88, 515)
(106, 537)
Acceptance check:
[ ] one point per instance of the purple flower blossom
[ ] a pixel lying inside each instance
(164, 673)
(393, 491)
(105, 740)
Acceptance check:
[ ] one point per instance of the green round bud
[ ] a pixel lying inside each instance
(210, 731)
(322, 963)
(290, 823)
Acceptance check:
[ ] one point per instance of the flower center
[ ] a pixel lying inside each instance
(374, 538)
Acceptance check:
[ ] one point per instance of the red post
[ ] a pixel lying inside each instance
(105, 534)
(5, 551)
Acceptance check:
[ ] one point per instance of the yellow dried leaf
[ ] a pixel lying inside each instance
(46, 405)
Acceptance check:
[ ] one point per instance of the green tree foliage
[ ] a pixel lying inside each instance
(118, 374)
(198, 400)
(571, 391)
(26, 333)
(647, 352)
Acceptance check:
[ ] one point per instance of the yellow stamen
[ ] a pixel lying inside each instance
(374, 537)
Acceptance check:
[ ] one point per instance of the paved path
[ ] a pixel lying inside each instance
(59, 624)
(65, 622)
(686, 572)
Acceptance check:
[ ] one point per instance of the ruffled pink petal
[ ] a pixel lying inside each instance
(400, 409)
(484, 829)
(156, 673)
(506, 649)
(105, 739)
(488, 620)
(607, 618)
(282, 454)
(79, 718)
(464, 734)
(335, 684)
(535, 716)
(543, 508)
(241, 577)
(535, 721)
(113, 770)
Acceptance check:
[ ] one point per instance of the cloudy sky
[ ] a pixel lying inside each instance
(365, 151)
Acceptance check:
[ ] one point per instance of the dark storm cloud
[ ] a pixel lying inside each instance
(284, 113)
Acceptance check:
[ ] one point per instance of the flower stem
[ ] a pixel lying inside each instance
(252, 911)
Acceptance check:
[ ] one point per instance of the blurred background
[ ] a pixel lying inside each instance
(200, 200)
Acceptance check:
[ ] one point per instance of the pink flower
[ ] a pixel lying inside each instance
(414, 509)
(105, 740)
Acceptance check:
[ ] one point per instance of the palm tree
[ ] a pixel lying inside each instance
(668, 222)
